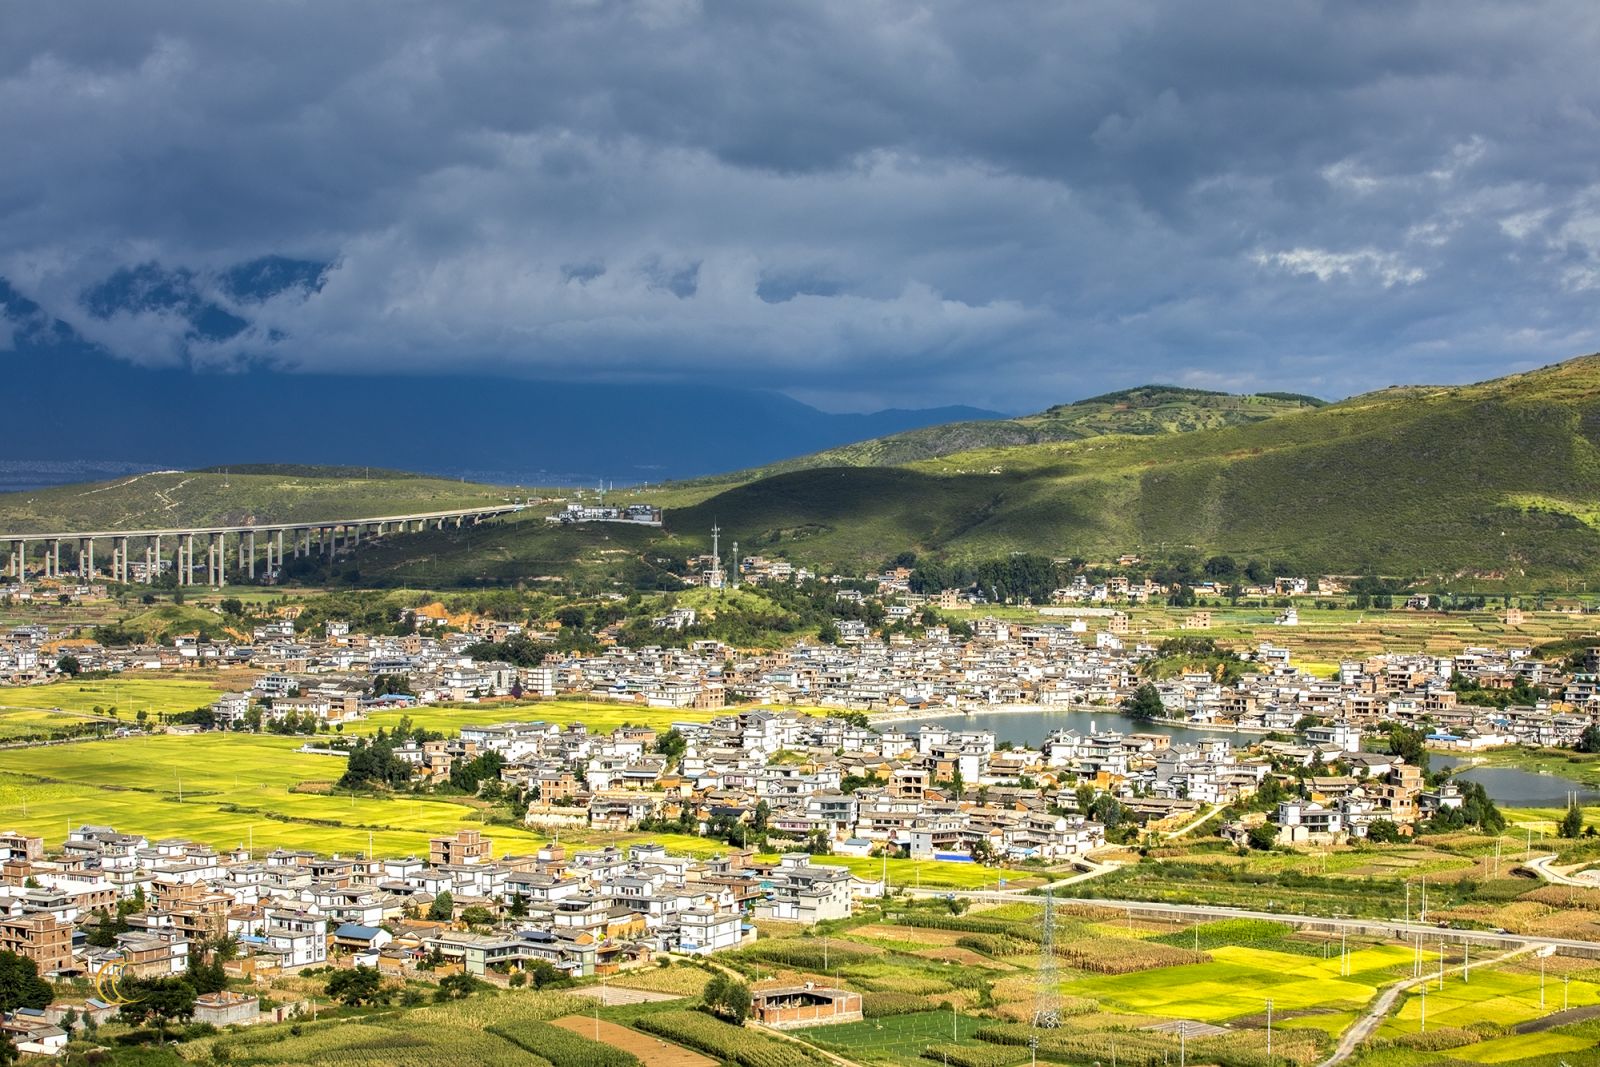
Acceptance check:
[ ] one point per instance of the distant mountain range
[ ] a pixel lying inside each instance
(1496, 479)
(72, 405)
(1147, 410)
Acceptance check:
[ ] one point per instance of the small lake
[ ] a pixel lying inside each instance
(1505, 785)
(1518, 789)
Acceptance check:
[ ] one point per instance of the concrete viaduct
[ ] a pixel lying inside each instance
(269, 543)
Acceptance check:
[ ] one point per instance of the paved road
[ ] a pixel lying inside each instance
(1540, 865)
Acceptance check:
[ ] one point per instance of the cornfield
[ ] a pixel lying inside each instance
(976, 1055)
(1117, 955)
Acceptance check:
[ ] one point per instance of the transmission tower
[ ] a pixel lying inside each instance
(1047, 1001)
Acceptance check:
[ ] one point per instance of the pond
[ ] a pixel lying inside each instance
(1516, 788)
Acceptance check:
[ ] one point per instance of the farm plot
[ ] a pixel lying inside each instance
(1238, 980)
(897, 1038)
(1502, 996)
(651, 1051)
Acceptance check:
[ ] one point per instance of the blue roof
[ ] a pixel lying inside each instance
(362, 933)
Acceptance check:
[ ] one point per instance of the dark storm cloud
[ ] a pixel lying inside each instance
(860, 203)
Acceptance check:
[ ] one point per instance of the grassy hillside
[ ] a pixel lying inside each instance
(214, 497)
(1500, 476)
(1148, 410)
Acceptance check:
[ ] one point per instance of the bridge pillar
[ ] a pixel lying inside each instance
(152, 572)
(18, 551)
(83, 559)
(121, 556)
(251, 569)
(280, 549)
(148, 564)
(186, 549)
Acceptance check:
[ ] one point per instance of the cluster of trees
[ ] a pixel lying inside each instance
(1521, 693)
(374, 763)
(518, 650)
(1010, 579)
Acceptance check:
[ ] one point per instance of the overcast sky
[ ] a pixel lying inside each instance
(861, 204)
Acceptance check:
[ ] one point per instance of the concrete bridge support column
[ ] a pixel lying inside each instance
(149, 564)
(152, 572)
(83, 559)
(280, 549)
(250, 569)
(18, 553)
(120, 557)
(186, 551)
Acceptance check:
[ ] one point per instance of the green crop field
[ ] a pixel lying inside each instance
(598, 717)
(1494, 995)
(897, 1038)
(21, 723)
(128, 694)
(1239, 981)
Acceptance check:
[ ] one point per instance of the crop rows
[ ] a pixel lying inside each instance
(563, 1048)
(716, 1038)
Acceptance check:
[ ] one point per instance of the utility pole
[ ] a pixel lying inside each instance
(1269, 1029)
(1424, 1028)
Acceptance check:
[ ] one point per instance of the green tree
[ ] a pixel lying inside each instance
(1262, 838)
(1589, 740)
(477, 915)
(1572, 822)
(457, 987)
(69, 665)
(672, 744)
(727, 998)
(1383, 832)
(443, 908)
(158, 1001)
(358, 985)
(1145, 703)
(20, 984)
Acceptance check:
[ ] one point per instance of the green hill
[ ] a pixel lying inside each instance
(235, 496)
(1503, 476)
(1145, 410)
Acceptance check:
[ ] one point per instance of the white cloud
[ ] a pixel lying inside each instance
(1326, 266)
